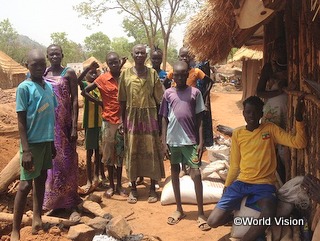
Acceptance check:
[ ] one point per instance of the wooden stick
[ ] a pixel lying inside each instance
(27, 219)
(10, 173)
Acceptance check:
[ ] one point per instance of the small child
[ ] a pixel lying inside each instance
(156, 60)
(35, 103)
(112, 133)
(182, 137)
(92, 124)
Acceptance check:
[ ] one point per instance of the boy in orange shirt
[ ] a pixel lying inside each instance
(111, 131)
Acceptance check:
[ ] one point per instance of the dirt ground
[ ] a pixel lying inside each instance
(148, 219)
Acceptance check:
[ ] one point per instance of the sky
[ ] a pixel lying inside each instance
(37, 19)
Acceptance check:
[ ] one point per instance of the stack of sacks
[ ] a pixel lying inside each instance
(212, 191)
(215, 170)
(213, 176)
(218, 152)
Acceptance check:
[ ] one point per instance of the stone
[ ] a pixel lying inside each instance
(99, 224)
(118, 228)
(81, 232)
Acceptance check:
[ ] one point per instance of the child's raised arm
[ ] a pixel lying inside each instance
(94, 65)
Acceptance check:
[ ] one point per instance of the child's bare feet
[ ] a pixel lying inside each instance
(36, 228)
(15, 236)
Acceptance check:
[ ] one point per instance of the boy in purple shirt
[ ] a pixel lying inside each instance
(181, 110)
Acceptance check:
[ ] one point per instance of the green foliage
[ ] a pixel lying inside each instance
(72, 51)
(14, 45)
(97, 45)
(122, 47)
(8, 37)
(149, 16)
(172, 55)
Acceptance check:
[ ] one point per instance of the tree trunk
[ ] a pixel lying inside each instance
(10, 173)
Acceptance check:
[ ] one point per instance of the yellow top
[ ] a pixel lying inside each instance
(253, 156)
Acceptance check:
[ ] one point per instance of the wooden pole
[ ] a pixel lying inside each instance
(10, 173)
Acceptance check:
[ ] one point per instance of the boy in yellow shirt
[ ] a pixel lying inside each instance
(253, 165)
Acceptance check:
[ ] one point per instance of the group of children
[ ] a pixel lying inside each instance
(252, 165)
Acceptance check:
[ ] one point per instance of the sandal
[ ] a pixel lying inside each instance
(109, 193)
(87, 189)
(133, 197)
(75, 217)
(103, 183)
(175, 217)
(202, 224)
(83, 190)
(153, 197)
(140, 181)
(120, 191)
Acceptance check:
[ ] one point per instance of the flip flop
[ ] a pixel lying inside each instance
(175, 218)
(153, 197)
(133, 197)
(103, 183)
(121, 192)
(75, 217)
(140, 181)
(109, 193)
(83, 190)
(202, 224)
(86, 189)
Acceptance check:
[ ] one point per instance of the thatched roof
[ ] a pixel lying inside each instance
(212, 33)
(9, 66)
(248, 52)
(209, 33)
(87, 62)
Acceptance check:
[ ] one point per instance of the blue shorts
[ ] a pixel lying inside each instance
(233, 195)
(186, 155)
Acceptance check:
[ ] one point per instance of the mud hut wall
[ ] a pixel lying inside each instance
(251, 70)
(303, 62)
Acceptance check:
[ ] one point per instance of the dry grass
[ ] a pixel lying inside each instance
(209, 33)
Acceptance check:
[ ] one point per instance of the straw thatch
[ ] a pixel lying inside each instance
(87, 62)
(209, 33)
(9, 66)
(11, 72)
(254, 52)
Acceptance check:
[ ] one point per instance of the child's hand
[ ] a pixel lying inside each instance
(123, 61)
(300, 108)
(94, 65)
(199, 151)
(27, 161)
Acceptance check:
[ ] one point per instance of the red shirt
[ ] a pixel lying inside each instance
(108, 87)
